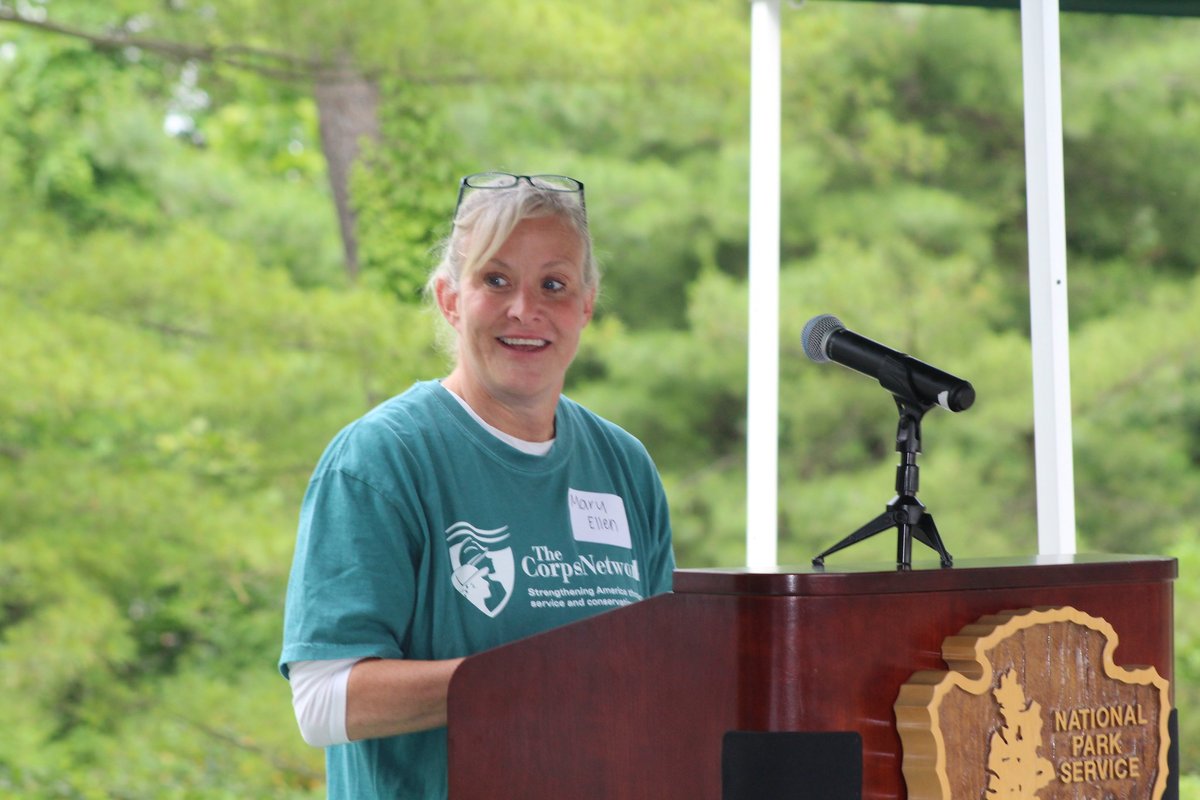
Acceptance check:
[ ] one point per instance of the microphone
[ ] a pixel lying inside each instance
(826, 339)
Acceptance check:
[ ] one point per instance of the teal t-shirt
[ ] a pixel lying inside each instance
(424, 536)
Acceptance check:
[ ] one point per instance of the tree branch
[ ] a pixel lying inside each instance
(270, 63)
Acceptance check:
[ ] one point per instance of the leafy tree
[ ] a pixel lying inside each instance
(82, 135)
(154, 456)
(404, 197)
(344, 51)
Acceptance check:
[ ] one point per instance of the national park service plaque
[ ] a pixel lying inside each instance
(1034, 707)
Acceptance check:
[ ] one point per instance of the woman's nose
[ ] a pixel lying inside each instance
(525, 303)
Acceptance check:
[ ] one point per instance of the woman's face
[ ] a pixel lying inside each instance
(520, 315)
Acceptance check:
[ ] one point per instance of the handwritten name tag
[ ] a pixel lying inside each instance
(598, 517)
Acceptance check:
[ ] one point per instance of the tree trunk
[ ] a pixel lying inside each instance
(347, 111)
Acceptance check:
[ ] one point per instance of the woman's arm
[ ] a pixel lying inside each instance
(387, 696)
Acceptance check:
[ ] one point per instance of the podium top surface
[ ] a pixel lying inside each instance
(1000, 573)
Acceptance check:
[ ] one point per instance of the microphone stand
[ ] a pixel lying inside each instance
(905, 512)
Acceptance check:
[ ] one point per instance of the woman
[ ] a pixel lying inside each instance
(471, 511)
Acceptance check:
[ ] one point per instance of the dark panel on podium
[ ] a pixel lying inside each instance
(786, 765)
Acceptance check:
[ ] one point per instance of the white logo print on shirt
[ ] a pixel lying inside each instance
(483, 573)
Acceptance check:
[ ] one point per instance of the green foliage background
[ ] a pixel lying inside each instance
(178, 341)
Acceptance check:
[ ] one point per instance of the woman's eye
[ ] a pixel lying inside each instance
(550, 284)
(495, 280)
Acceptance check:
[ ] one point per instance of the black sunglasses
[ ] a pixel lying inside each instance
(506, 180)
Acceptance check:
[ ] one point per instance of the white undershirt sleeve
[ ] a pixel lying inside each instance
(319, 699)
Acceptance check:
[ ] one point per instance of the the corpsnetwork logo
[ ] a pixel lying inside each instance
(482, 570)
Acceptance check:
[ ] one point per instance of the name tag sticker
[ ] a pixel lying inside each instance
(599, 518)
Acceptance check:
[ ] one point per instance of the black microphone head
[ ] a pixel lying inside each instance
(962, 398)
(816, 335)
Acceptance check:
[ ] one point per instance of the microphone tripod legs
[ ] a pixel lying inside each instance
(908, 516)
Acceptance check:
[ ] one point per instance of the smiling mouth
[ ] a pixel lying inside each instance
(522, 343)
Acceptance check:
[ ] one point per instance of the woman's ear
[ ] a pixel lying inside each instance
(447, 300)
(589, 306)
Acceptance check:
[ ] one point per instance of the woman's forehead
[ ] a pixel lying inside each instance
(539, 241)
(545, 234)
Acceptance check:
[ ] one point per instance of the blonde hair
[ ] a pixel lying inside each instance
(487, 217)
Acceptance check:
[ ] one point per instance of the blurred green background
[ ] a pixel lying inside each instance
(215, 217)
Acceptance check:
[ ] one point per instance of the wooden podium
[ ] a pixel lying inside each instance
(637, 702)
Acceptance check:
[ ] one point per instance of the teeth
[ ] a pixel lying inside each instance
(523, 342)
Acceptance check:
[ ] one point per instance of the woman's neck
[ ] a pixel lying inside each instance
(530, 420)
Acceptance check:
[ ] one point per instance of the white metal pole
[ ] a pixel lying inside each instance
(762, 413)
(1048, 276)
